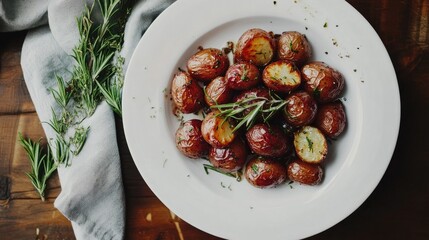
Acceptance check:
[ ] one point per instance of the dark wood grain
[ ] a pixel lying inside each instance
(397, 209)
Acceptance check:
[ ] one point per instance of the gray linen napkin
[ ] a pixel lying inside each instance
(92, 196)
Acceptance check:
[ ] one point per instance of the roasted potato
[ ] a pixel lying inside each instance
(305, 173)
(294, 47)
(217, 92)
(267, 140)
(187, 95)
(231, 158)
(331, 119)
(300, 109)
(281, 76)
(242, 76)
(310, 145)
(323, 82)
(217, 131)
(265, 172)
(190, 141)
(208, 64)
(255, 46)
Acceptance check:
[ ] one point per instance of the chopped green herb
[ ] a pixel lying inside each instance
(325, 25)
(310, 143)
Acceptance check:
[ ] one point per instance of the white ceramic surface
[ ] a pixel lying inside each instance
(219, 205)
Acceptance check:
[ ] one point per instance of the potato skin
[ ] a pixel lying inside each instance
(190, 141)
(242, 76)
(310, 145)
(208, 64)
(300, 109)
(294, 47)
(255, 46)
(217, 132)
(305, 173)
(331, 119)
(217, 92)
(264, 172)
(281, 76)
(187, 95)
(267, 140)
(231, 158)
(322, 81)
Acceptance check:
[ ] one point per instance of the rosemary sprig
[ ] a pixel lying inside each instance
(258, 106)
(42, 165)
(236, 175)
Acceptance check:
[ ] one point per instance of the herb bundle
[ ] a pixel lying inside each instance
(96, 76)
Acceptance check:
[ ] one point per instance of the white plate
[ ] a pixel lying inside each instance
(235, 210)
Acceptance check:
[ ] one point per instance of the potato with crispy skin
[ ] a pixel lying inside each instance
(187, 95)
(331, 119)
(257, 92)
(265, 172)
(190, 141)
(217, 92)
(322, 81)
(305, 173)
(207, 64)
(231, 158)
(267, 140)
(310, 145)
(294, 47)
(242, 76)
(300, 109)
(255, 46)
(217, 131)
(281, 76)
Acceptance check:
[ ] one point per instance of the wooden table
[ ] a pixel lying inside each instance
(397, 209)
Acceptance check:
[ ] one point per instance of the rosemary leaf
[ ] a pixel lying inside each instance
(236, 175)
(79, 139)
(113, 96)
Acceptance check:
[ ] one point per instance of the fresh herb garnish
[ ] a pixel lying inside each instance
(258, 106)
(236, 175)
(310, 143)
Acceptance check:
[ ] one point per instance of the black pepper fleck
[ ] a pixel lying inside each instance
(274, 2)
(326, 53)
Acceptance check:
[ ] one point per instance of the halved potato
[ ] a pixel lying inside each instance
(217, 131)
(255, 46)
(281, 76)
(310, 144)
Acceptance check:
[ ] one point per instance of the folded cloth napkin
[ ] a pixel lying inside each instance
(92, 195)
